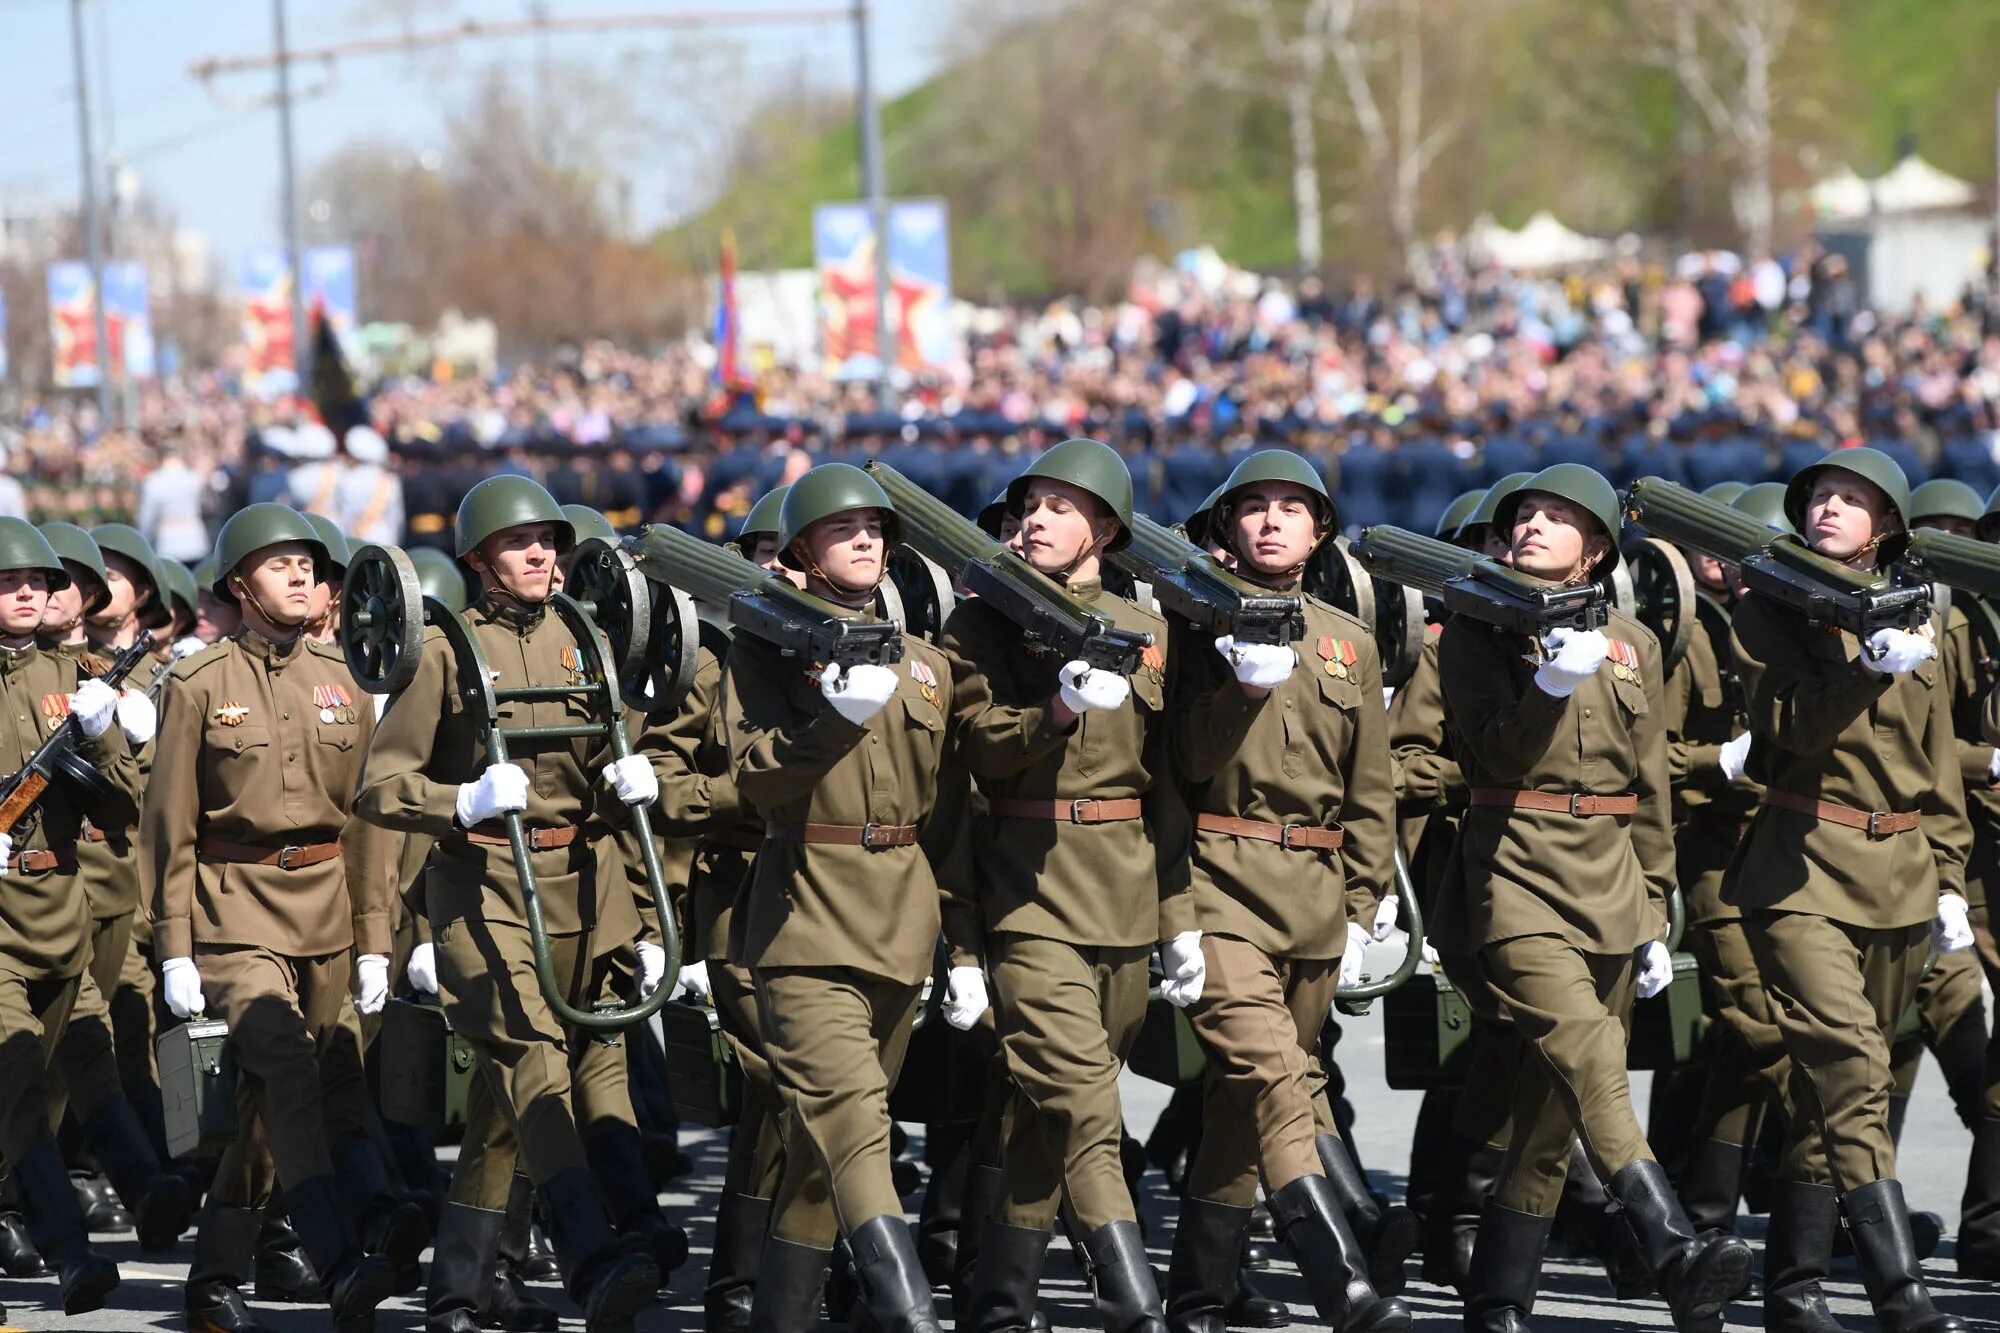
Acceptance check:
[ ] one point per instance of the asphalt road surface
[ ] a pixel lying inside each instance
(1574, 1296)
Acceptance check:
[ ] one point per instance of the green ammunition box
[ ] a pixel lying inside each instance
(1167, 1051)
(1666, 1030)
(706, 1082)
(197, 1087)
(427, 1069)
(1424, 1022)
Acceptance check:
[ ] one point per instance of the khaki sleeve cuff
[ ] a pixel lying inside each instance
(173, 938)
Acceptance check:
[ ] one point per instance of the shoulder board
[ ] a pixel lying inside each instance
(327, 650)
(1349, 624)
(195, 662)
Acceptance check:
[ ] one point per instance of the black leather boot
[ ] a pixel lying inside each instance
(18, 1255)
(1711, 1182)
(1128, 1296)
(1314, 1228)
(1448, 1260)
(1879, 1222)
(740, 1223)
(1696, 1277)
(609, 1281)
(617, 1158)
(1506, 1269)
(468, 1240)
(1979, 1207)
(1387, 1234)
(213, 1296)
(1251, 1308)
(1583, 1217)
(55, 1223)
(509, 1304)
(1002, 1294)
(355, 1281)
(283, 1272)
(382, 1221)
(982, 1193)
(1201, 1278)
(1926, 1228)
(160, 1202)
(893, 1284)
(788, 1287)
(103, 1214)
(1798, 1251)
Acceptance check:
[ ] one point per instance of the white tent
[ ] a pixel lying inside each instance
(1911, 186)
(1544, 243)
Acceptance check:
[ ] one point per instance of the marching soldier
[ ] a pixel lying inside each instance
(263, 885)
(324, 626)
(427, 773)
(1978, 1240)
(44, 919)
(1292, 803)
(1073, 762)
(1559, 885)
(1854, 862)
(841, 914)
(758, 538)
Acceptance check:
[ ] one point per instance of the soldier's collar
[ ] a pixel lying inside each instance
(517, 616)
(18, 659)
(1085, 589)
(1288, 582)
(268, 650)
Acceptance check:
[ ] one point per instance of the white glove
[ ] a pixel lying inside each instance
(1952, 930)
(1656, 968)
(633, 779)
(1429, 954)
(1263, 666)
(858, 693)
(1085, 688)
(373, 971)
(423, 968)
(381, 705)
(188, 646)
(182, 983)
(1735, 754)
(693, 979)
(1353, 956)
(502, 787)
(1385, 919)
(965, 997)
(1893, 651)
(6, 854)
(94, 705)
(137, 716)
(1185, 968)
(652, 967)
(1574, 658)
(1993, 767)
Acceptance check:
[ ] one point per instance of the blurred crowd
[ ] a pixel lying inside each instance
(1708, 368)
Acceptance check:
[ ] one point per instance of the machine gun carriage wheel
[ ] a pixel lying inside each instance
(1393, 613)
(650, 628)
(382, 619)
(1659, 592)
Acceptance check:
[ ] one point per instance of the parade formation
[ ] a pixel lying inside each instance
(885, 815)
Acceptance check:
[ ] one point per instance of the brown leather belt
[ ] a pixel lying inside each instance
(1580, 804)
(736, 840)
(539, 839)
(1291, 837)
(1084, 811)
(35, 863)
(871, 836)
(285, 858)
(1875, 823)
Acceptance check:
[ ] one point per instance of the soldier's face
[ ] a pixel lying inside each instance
(764, 552)
(1495, 544)
(1010, 533)
(24, 601)
(1061, 526)
(1275, 526)
(520, 560)
(219, 618)
(128, 585)
(1951, 523)
(1707, 570)
(1553, 538)
(280, 582)
(65, 605)
(848, 547)
(1844, 512)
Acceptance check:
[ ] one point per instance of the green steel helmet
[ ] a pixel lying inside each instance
(1869, 464)
(1988, 527)
(335, 542)
(1280, 465)
(22, 547)
(508, 502)
(1454, 515)
(989, 517)
(767, 515)
(1765, 502)
(1579, 485)
(1726, 491)
(1488, 503)
(1088, 465)
(251, 529)
(1944, 497)
(587, 522)
(204, 574)
(440, 577)
(78, 548)
(831, 488)
(180, 588)
(124, 540)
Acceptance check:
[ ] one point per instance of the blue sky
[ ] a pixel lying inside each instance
(214, 160)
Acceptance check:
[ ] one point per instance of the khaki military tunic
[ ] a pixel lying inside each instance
(1313, 752)
(1430, 789)
(1970, 678)
(1838, 918)
(839, 936)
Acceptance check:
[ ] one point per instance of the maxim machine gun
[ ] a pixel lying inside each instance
(1193, 584)
(1470, 584)
(57, 756)
(1780, 567)
(1046, 612)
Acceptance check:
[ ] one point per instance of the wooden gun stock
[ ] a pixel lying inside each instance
(21, 800)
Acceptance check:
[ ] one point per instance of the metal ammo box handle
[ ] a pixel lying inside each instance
(1406, 903)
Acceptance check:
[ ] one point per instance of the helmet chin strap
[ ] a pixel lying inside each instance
(244, 590)
(845, 594)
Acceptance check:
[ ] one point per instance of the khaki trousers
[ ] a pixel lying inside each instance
(1989, 963)
(757, 1141)
(1258, 1019)
(1748, 1069)
(33, 1014)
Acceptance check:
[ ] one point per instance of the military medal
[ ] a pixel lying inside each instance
(55, 708)
(926, 679)
(231, 714)
(1155, 661)
(326, 716)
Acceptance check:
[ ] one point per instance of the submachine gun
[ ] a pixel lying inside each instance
(1479, 588)
(1195, 586)
(57, 757)
(1779, 566)
(1046, 612)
